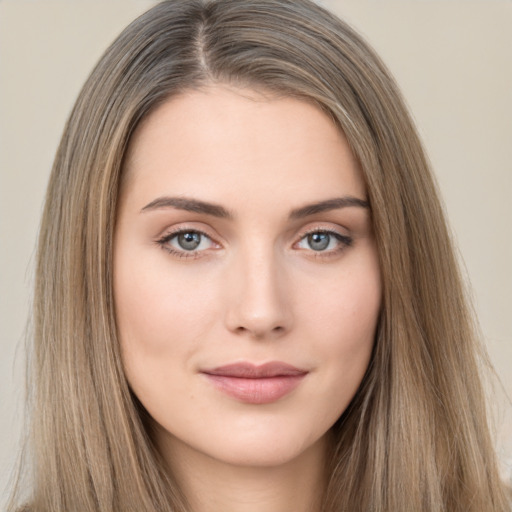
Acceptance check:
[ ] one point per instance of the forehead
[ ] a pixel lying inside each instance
(222, 139)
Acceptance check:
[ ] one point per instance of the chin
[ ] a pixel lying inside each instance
(263, 451)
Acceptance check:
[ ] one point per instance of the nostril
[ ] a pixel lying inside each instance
(260, 333)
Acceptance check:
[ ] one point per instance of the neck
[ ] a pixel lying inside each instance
(211, 485)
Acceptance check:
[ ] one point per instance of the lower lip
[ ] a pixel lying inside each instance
(256, 391)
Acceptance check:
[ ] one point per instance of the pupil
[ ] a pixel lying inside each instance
(189, 241)
(318, 241)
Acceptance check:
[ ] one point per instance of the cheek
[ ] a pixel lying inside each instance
(343, 320)
(160, 315)
(162, 318)
(345, 306)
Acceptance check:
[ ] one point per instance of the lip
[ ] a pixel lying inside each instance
(256, 384)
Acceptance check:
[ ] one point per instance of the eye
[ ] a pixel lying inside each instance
(324, 241)
(186, 243)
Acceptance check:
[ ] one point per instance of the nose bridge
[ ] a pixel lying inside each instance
(259, 302)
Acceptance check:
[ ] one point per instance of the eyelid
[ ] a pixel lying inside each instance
(345, 240)
(325, 228)
(167, 235)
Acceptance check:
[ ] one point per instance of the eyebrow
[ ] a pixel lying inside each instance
(327, 205)
(197, 206)
(189, 205)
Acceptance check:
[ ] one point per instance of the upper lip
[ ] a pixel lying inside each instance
(253, 371)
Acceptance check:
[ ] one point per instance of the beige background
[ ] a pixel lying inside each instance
(452, 58)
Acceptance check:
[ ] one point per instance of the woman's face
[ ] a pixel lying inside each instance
(246, 278)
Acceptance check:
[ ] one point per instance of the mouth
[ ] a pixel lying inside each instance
(256, 384)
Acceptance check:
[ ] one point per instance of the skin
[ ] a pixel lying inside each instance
(256, 290)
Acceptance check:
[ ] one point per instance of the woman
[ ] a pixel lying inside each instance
(246, 296)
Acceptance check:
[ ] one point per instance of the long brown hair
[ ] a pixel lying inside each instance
(415, 437)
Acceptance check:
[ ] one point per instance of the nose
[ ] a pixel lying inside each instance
(260, 305)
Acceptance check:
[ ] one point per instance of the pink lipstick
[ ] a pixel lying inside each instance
(256, 384)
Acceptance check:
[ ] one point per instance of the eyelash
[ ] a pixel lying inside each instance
(164, 243)
(344, 242)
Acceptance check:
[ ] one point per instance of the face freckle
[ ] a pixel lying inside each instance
(246, 278)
